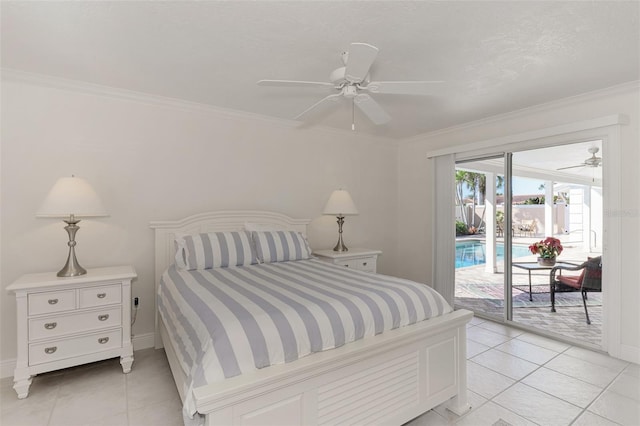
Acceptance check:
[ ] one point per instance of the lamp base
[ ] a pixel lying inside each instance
(340, 247)
(72, 268)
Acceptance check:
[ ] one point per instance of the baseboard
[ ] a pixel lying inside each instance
(630, 353)
(140, 341)
(7, 367)
(143, 341)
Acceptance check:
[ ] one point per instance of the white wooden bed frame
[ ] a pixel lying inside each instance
(387, 379)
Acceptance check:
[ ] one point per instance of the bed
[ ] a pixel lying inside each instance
(386, 378)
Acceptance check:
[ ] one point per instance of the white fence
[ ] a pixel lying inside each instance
(522, 214)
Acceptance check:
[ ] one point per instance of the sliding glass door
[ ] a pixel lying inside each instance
(557, 197)
(480, 246)
(506, 203)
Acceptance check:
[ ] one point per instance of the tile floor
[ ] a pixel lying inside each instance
(97, 394)
(521, 378)
(514, 378)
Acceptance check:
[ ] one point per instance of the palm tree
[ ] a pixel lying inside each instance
(474, 185)
(477, 184)
(470, 180)
(461, 179)
(482, 191)
(482, 186)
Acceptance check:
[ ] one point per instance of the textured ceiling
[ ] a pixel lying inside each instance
(494, 57)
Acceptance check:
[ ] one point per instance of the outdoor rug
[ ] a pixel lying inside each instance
(494, 294)
(544, 288)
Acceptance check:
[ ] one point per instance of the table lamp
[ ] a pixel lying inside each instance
(71, 198)
(341, 205)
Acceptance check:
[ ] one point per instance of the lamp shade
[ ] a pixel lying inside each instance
(340, 204)
(72, 196)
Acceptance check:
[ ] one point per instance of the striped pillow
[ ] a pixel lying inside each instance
(281, 246)
(215, 250)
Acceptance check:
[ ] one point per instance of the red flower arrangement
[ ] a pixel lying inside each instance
(547, 248)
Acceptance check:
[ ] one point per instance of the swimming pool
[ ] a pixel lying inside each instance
(472, 252)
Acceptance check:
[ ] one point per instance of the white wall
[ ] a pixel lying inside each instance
(150, 161)
(154, 161)
(415, 198)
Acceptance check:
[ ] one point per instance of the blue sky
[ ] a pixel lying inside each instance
(524, 186)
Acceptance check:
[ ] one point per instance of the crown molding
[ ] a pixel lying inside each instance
(49, 81)
(45, 80)
(558, 103)
(548, 132)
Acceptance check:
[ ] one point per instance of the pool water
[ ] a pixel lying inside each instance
(472, 252)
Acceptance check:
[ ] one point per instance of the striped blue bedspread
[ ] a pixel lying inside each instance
(228, 321)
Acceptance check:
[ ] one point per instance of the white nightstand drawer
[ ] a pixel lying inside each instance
(367, 264)
(359, 259)
(98, 296)
(364, 264)
(346, 263)
(60, 349)
(64, 324)
(54, 301)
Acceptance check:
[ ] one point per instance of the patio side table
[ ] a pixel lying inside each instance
(534, 266)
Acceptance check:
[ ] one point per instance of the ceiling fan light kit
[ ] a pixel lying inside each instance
(352, 79)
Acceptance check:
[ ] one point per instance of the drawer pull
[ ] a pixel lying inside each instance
(50, 350)
(346, 266)
(101, 295)
(103, 340)
(50, 325)
(364, 263)
(103, 317)
(53, 301)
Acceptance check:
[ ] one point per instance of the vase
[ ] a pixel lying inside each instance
(546, 261)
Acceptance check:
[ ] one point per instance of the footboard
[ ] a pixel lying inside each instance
(388, 379)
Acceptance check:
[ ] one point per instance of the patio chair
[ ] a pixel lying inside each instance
(527, 228)
(589, 280)
(500, 229)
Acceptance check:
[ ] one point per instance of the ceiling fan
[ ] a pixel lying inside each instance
(592, 161)
(352, 82)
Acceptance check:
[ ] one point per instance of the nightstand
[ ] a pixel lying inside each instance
(360, 259)
(67, 321)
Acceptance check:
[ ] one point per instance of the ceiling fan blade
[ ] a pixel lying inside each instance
(323, 101)
(571, 167)
(403, 87)
(361, 57)
(371, 109)
(292, 83)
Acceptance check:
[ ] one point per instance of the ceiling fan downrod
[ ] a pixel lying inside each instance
(353, 114)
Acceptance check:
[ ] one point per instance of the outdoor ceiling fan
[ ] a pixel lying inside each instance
(592, 161)
(352, 82)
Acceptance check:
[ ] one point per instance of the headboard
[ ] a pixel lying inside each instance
(219, 221)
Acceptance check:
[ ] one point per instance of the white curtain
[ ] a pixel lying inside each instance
(444, 232)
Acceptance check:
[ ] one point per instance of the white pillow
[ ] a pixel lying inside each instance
(215, 250)
(280, 246)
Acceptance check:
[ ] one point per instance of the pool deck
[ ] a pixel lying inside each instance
(481, 291)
